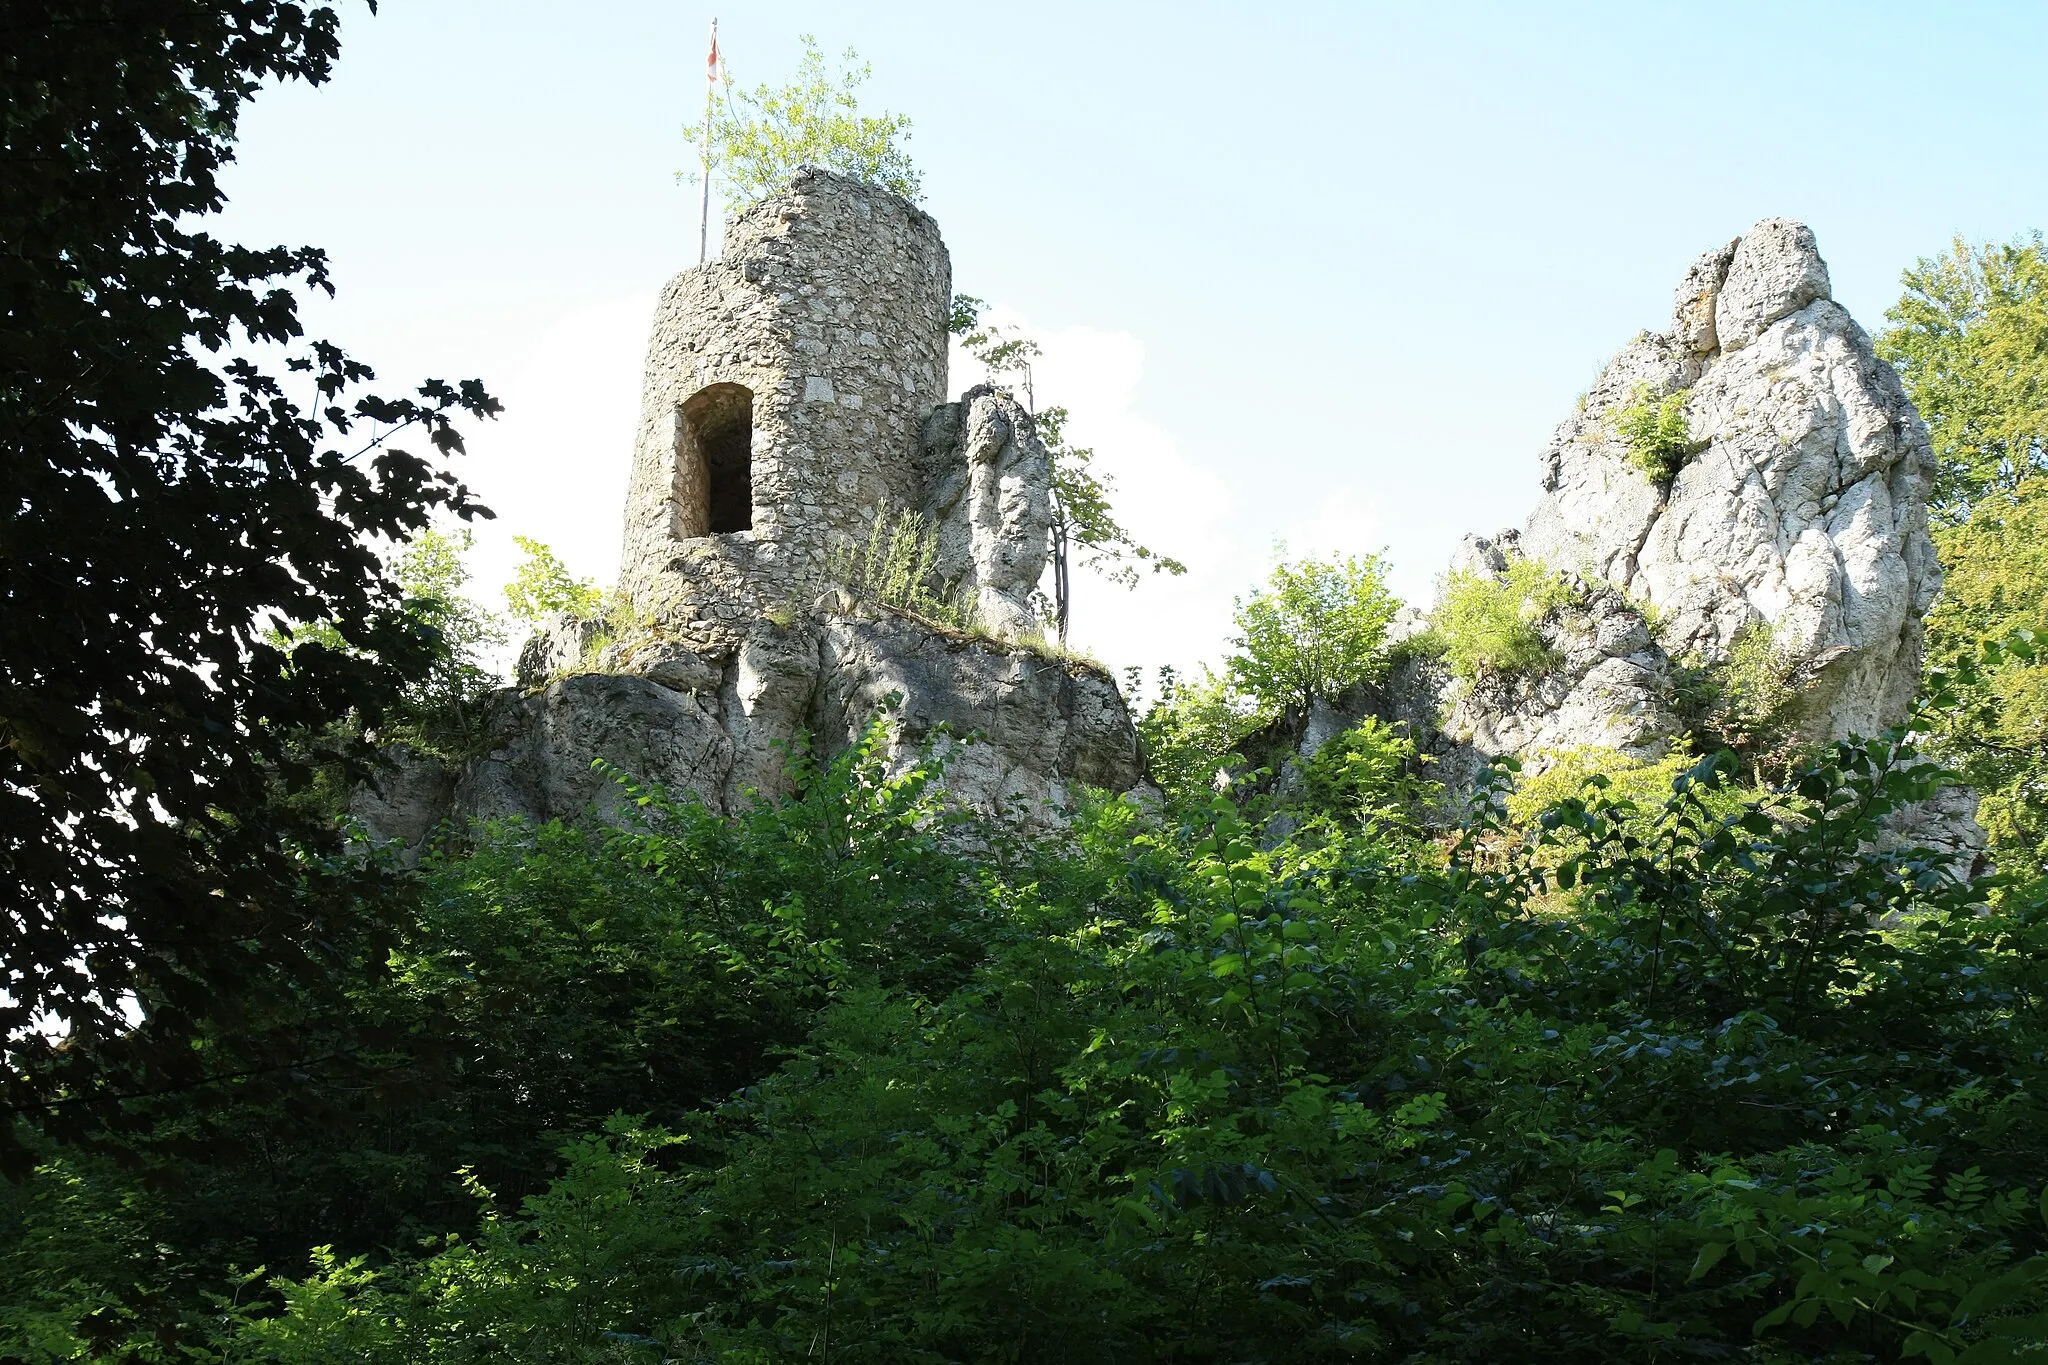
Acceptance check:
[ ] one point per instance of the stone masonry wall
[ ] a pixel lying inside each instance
(830, 306)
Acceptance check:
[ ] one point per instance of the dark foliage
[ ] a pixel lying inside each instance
(166, 497)
(1711, 1077)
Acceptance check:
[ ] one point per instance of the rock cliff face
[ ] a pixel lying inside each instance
(1804, 506)
(1017, 730)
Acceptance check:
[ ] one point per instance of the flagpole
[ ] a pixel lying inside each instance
(710, 86)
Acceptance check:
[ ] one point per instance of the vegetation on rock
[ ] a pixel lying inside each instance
(1654, 431)
(760, 137)
(1642, 784)
(1491, 627)
(1191, 732)
(1371, 777)
(895, 564)
(1746, 702)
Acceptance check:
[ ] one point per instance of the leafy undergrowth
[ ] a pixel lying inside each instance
(1169, 1091)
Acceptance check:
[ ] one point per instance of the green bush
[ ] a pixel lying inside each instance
(1640, 783)
(1655, 433)
(1642, 1075)
(1371, 775)
(1487, 627)
(759, 138)
(549, 977)
(1747, 701)
(1314, 630)
(1202, 1099)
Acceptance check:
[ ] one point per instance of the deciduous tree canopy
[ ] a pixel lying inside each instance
(183, 469)
(1970, 338)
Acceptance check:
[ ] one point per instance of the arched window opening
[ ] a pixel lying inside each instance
(719, 422)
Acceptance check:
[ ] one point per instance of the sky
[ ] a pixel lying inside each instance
(1311, 278)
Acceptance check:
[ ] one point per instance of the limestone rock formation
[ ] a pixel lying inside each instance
(1799, 503)
(988, 496)
(1017, 730)
(1805, 504)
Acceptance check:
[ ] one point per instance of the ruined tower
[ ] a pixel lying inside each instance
(794, 393)
(786, 390)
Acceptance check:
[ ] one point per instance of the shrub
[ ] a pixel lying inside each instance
(1655, 432)
(1190, 734)
(1633, 793)
(1200, 1101)
(1617, 777)
(1369, 775)
(1492, 627)
(897, 565)
(1313, 631)
(1746, 701)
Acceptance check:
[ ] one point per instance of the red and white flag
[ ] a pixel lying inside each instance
(711, 62)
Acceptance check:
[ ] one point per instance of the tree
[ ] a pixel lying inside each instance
(758, 138)
(543, 586)
(168, 502)
(443, 708)
(1081, 515)
(1970, 338)
(1314, 630)
(1995, 593)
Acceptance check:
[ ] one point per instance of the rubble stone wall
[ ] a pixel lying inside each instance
(829, 306)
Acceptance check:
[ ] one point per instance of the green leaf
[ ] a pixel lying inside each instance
(1709, 1257)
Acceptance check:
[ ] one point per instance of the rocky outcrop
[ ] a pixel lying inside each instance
(1609, 686)
(1803, 505)
(793, 404)
(407, 801)
(988, 498)
(1798, 502)
(1944, 824)
(1017, 730)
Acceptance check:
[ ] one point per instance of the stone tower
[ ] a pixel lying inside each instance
(787, 388)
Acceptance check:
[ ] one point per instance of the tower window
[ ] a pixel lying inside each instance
(715, 461)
